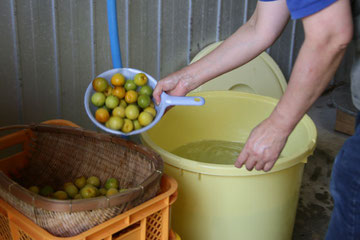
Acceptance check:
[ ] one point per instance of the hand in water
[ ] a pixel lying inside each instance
(263, 147)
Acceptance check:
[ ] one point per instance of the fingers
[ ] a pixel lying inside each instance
(268, 166)
(251, 160)
(157, 92)
(250, 163)
(263, 147)
(175, 84)
(247, 158)
(241, 159)
(168, 85)
(260, 165)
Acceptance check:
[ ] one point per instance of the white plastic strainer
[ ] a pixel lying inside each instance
(129, 73)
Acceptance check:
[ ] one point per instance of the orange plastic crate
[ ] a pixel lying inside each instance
(149, 220)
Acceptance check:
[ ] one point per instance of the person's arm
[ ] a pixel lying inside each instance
(327, 34)
(262, 29)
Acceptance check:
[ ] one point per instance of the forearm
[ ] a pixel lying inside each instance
(327, 34)
(237, 50)
(315, 66)
(262, 29)
(313, 70)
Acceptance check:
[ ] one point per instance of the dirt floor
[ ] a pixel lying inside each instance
(315, 204)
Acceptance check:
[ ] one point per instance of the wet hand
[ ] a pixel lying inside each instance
(263, 147)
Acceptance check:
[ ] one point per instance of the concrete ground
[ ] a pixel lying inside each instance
(315, 204)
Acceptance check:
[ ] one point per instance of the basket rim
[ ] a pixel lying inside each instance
(75, 205)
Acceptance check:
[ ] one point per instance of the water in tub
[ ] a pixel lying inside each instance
(211, 151)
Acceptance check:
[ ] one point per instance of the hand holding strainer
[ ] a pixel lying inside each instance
(129, 73)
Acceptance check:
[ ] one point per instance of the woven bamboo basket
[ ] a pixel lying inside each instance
(57, 154)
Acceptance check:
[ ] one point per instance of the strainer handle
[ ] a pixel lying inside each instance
(185, 101)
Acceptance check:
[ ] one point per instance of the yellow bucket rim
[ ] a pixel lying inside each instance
(228, 169)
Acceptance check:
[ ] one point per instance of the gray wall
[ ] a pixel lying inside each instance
(51, 49)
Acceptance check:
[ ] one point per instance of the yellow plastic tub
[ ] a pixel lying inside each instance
(260, 76)
(220, 201)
